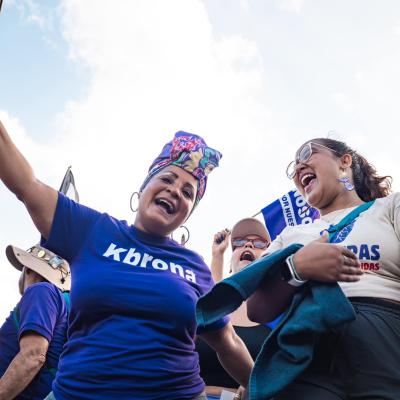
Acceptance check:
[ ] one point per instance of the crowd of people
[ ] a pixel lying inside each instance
(129, 331)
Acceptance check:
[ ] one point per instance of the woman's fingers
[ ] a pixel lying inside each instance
(349, 274)
(348, 253)
(349, 258)
(219, 236)
(350, 262)
(327, 263)
(348, 278)
(348, 267)
(351, 270)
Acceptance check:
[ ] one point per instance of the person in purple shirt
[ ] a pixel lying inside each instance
(134, 289)
(33, 336)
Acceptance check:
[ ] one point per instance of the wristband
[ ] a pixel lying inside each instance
(293, 278)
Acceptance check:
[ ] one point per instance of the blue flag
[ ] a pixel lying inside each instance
(289, 210)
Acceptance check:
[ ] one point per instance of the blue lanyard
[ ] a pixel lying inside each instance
(348, 219)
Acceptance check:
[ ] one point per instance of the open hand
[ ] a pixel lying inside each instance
(326, 262)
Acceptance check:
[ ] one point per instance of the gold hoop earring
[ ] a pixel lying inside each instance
(130, 202)
(184, 238)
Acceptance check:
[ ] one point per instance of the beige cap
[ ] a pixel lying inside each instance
(45, 263)
(250, 226)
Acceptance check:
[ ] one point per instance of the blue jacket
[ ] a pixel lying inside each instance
(287, 352)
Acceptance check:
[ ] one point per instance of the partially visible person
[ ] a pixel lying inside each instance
(361, 359)
(249, 240)
(33, 336)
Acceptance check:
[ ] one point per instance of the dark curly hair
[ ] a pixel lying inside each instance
(368, 184)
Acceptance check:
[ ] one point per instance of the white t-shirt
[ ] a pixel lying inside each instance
(374, 237)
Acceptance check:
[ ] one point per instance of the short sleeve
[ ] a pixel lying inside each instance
(39, 308)
(204, 288)
(393, 202)
(71, 226)
(275, 245)
(214, 326)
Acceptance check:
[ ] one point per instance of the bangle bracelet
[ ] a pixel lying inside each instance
(293, 268)
(295, 278)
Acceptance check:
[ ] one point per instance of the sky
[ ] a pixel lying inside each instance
(102, 85)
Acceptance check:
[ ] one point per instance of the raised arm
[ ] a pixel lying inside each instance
(220, 244)
(16, 173)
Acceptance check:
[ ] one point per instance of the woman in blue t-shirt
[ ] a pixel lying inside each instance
(134, 289)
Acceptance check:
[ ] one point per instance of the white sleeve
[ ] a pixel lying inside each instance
(275, 245)
(394, 212)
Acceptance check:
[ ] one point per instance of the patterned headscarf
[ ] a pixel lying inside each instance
(191, 153)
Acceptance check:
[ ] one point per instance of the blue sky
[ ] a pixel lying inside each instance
(37, 76)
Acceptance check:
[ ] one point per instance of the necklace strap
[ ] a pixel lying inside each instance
(349, 218)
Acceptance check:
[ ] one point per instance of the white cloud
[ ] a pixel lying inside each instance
(244, 5)
(46, 19)
(29, 11)
(342, 100)
(396, 29)
(157, 67)
(291, 5)
(16, 227)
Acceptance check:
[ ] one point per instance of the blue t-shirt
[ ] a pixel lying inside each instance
(42, 309)
(132, 322)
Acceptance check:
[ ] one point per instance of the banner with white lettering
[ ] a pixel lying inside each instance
(289, 210)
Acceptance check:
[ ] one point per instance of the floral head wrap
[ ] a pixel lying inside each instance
(191, 153)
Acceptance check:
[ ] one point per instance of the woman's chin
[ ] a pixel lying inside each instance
(157, 226)
(312, 198)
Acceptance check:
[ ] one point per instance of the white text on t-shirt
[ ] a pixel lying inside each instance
(137, 259)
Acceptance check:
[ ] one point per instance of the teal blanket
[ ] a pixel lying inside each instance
(287, 352)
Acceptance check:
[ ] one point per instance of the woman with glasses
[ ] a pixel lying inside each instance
(360, 360)
(249, 240)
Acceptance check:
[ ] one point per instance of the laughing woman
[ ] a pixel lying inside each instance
(360, 360)
(134, 289)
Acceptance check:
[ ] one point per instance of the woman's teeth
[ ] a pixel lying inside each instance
(169, 208)
(306, 179)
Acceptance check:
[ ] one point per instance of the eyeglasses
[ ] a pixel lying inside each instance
(303, 155)
(257, 243)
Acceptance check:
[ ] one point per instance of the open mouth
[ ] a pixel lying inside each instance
(165, 204)
(247, 256)
(306, 179)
